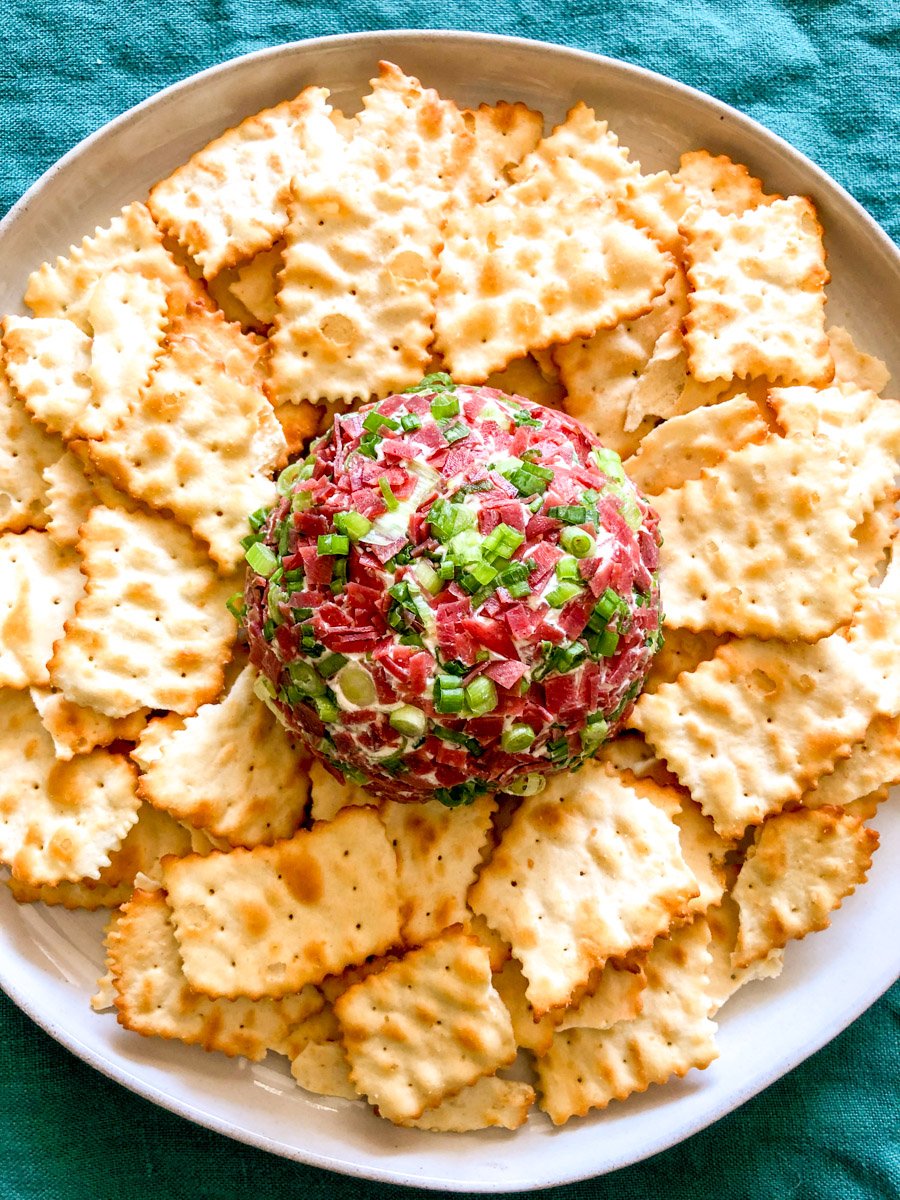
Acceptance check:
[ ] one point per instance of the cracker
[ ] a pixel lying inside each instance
(299, 423)
(715, 182)
(873, 762)
(256, 283)
(800, 867)
(356, 297)
(39, 587)
(683, 650)
(152, 836)
(479, 929)
(200, 441)
(48, 360)
(587, 1069)
(615, 379)
(582, 155)
(77, 730)
(57, 820)
(756, 725)
(874, 636)
(228, 201)
(489, 1103)
(534, 267)
(127, 315)
(322, 1068)
(588, 870)
(26, 450)
(630, 751)
(704, 852)
(853, 366)
(764, 545)
(875, 533)
(70, 497)
(615, 993)
(757, 305)
(252, 786)
(155, 735)
(504, 134)
(525, 377)
(438, 851)
(329, 795)
(724, 977)
(530, 1031)
(151, 630)
(863, 431)
(424, 1028)
(657, 203)
(131, 242)
(688, 446)
(153, 997)
(267, 921)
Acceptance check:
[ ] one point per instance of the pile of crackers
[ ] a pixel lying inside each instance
(450, 967)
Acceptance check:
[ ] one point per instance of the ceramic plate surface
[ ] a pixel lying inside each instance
(50, 959)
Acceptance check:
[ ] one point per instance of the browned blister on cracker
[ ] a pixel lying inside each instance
(48, 361)
(503, 135)
(252, 788)
(267, 921)
(201, 440)
(763, 545)
(757, 304)
(58, 820)
(425, 1027)
(153, 997)
(78, 730)
(228, 202)
(40, 584)
(131, 242)
(715, 182)
(588, 870)
(587, 1068)
(802, 864)
(755, 726)
(26, 450)
(438, 851)
(151, 630)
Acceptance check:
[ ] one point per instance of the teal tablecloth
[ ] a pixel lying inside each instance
(825, 74)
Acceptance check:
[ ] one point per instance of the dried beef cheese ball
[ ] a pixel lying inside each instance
(456, 593)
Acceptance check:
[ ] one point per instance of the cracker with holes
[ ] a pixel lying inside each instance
(489, 1103)
(425, 1027)
(153, 997)
(588, 870)
(267, 921)
(151, 630)
(438, 851)
(757, 300)
(873, 762)
(503, 135)
(228, 202)
(255, 284)
(40, 584)
(48, 361)
(800, 867)
(78, 730)
(754, 727)
(200, 441)
(724, 977)
(715, 182)
(150, 838)
(253, 787)
(130, 242)
(58, 820)
(615, 993)
(531, 1032)
(682, 650)
(26, 450)
(754, 548)
(588, 1068)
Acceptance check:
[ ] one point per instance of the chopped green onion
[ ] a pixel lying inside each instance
(289, 475)
(447, 570)
(375, 420)
(655, 641)
(526, 785)
(258, 519)
(481, 695)
(236, 606)
(275, 597)
(503, 541)
(353, 524)
(558, 750)
(436, 381)
(577, 542)
(428, 577)
(455, 432)
(389, 498)
(461, 793)
(609, 463)
(331, 664)
(306, 678)
(284, 538)
(332, 543)
(447, 520)
(594, 732)
(357, 685)
(410, 422)
(516, 572)
(607, 643)
(455, 667)
(465, 547)
(302, 614)
(529, 479)
(448, 694)
(536, 504)
(519, 590)
(569, 514)
(408, 720)
(516, 738)
(261, 559)
(263, 688)
(567, 568)
(562, 593)
(444, 406)
(326, 708)
(479, 574)
(301, 500)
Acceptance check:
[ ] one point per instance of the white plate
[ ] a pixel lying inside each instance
(49, 959)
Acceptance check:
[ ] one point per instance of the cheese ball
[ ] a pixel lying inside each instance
(456, 593)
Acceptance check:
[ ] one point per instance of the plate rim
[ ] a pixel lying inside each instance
(185, 1108)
